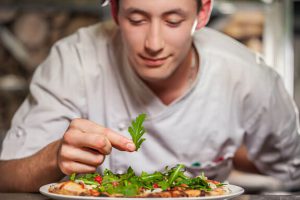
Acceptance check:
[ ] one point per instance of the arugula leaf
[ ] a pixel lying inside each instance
(175, 173)
(89, 182)
(164, 185)
(152, 177)
(73, 176)
(137, 130)
(129, 190)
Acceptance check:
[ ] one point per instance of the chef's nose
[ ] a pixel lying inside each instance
(154, 40)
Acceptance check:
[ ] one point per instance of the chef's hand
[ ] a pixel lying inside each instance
(85, 144)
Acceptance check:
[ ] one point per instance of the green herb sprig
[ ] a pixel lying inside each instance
(137, 130)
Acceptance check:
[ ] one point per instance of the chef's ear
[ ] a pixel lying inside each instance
(114, 9)
(204, 13)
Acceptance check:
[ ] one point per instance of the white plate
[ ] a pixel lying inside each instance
(235, 191)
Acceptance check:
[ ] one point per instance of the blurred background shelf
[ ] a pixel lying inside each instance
(77, 5)
(28, 29)
(266, 27)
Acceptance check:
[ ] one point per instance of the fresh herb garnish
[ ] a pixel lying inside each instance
(175, 173)
(137, 130)
(129, 184)
(73, 176)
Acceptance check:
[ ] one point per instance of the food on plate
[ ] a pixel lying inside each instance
(172, 182)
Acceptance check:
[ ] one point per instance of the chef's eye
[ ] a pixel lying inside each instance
(174, 23)
(173, 20)
(136, 19)
(136, 22)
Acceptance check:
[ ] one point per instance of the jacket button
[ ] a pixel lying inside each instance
(122, 126)
(19, 133)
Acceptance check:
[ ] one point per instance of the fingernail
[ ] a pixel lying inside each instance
(130, 146)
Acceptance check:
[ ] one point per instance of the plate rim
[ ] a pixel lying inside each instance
(44, 191)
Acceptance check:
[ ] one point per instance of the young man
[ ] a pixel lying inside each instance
(204, 94)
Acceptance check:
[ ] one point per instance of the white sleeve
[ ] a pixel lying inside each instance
(273, 139)
(56, 96)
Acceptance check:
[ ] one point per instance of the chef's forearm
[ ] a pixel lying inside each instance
(28, 174)
(242, 163)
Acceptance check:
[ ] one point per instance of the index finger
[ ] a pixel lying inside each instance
(117, 140)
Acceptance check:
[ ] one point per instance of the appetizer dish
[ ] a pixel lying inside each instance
(172, 182)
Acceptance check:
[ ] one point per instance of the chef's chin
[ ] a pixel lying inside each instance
(152, 75)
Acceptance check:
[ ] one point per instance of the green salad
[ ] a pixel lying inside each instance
(130, 184)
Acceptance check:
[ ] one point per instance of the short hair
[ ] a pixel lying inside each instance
(199, 4)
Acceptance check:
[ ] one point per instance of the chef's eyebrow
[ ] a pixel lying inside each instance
(177, 11)
(129, 11)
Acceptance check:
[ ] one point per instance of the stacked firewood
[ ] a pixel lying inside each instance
(26, 36)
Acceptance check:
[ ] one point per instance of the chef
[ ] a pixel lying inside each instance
(204, 94)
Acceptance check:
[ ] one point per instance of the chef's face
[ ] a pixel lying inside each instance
(157, 35)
